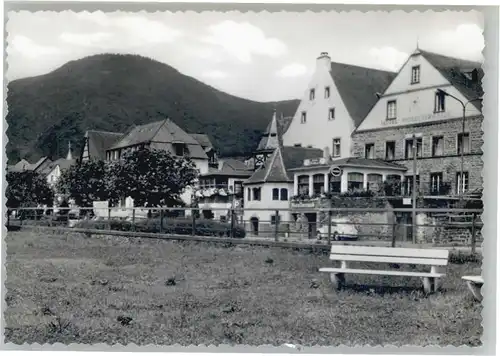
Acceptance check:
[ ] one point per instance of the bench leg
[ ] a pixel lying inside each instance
(475, 289)
(429, 284)
(338, 280)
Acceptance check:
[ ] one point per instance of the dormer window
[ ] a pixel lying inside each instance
(303, 117)
(180, 149)
(311, 94)
(327, 92)
(415, 74)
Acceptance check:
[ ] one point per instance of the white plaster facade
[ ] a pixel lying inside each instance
(54, 175)
(267, 202)
(415, 102)
(320, 128)
(348, 173)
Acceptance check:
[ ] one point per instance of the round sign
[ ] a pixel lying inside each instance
(335, 171)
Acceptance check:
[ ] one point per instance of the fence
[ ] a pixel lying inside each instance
(437, 227)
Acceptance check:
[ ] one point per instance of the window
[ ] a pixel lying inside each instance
(249, 194)
(394, 182)
(297, 145)
(303, 185)
(390, 150)
(335, 184)
(311, 94)
(256, 194)
(439, 102)
(437, 146)
(274, 220)
(319, 183)
(462, 182)
(180, 149)
(409, 148)
(331, 114)
(463, 143)
(284, 194)
(415, 74)
(436, 183)
(370, 150)
(355, 181)
(391, 110)
(276, 194)
(327, 92)
(303, 117)
(374, 182)
(336, 147)
(408, 185)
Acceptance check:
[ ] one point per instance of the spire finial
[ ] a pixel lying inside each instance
(418, 38)
(70, 155)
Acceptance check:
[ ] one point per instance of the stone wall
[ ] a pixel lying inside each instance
(448, 163)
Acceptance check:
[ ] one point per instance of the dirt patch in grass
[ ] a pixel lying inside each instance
(120, 290)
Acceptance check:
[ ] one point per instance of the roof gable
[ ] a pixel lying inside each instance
(99, 141)
(358, 87)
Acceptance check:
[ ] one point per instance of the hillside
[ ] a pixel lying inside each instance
(112, 92)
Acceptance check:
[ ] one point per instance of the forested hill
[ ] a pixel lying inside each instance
(111, 92)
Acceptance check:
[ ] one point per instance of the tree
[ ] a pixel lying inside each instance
(27, 189)
(152, 178)
(85, 182)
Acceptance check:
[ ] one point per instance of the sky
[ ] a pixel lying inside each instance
(258, 56)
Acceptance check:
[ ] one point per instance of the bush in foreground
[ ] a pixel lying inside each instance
(179, 226)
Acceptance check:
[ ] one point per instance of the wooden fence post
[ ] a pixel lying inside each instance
(193, 223)
(473, 233)
(109, 217)
(133, 219)
(161, 221)
(393, 243)
(276, 224)
(330, 214)
(231, 233)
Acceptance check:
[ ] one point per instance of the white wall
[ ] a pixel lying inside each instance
(318, 130)
(267, 202)
(54, 175)
(415, 102)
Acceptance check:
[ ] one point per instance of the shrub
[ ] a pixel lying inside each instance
(178, 226)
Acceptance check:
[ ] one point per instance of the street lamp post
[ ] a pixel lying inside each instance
(442, 94)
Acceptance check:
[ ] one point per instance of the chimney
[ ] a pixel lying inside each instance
(324, 61)
(326, 153)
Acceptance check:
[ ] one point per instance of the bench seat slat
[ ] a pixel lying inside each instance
(390, 251)
(389, 259)
(375, 272)
(474, 279)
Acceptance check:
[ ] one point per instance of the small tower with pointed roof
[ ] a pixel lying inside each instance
(268, 143)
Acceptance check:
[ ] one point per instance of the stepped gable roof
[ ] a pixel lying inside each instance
(100, 141)
(457, 72)
(358, 86)
(277, 168)
(164, 131)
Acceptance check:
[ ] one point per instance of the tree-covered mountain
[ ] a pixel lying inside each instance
(112, 92)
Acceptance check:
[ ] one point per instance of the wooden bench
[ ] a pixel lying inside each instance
(474, 283)
(435, 259)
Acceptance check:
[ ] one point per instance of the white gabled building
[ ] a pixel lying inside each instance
(338, 98)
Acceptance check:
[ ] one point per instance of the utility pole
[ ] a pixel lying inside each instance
(414, 191)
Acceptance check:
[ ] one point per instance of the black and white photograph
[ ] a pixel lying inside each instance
(244, 178)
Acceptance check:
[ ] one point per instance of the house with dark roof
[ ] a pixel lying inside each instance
(271, 186)
(221, 189)
(24, 165)
(423, 103)
(54, 169)
(337, 100)
(97, 142)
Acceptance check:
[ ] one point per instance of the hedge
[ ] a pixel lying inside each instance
(177, 226)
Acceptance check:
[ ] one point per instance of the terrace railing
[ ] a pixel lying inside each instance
(310, 225)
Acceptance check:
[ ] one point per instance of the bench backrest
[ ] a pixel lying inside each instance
(418, 256)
